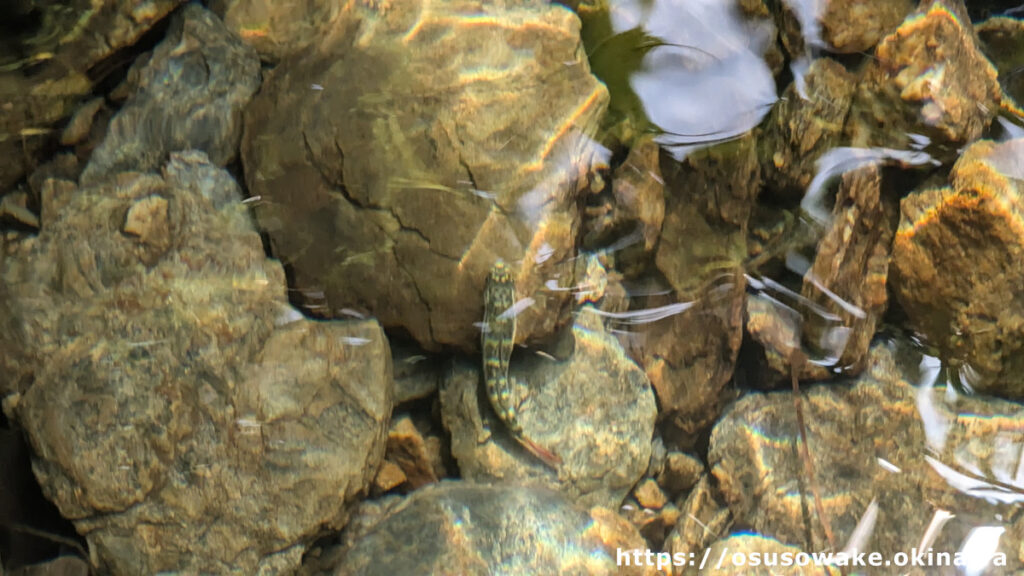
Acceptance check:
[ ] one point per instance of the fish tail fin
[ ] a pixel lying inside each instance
(543, 454)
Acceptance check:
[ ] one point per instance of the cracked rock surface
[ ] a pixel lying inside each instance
(173, 400)
(396, 162)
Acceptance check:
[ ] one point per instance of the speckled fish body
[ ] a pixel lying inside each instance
(498, 339)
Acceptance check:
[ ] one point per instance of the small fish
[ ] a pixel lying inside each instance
(498, 339)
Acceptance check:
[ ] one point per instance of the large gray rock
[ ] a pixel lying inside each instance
(183, 416)
(189, 96)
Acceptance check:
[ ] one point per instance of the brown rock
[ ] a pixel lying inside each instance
(147, 219)
(81, 122)
(1003, 42)
(616, 533)
(649, 495)
(470, 529)
(857, 25)
(14, 209)
(928, 78)
(959, 267)
(595, 410)
(277, 29)
(397, 161)
(777, 328)
(805, 123)
(652, 523)
(639, 196)
(681, 472)
(408, 449)
(703, 519)
(215, 75)
(910, 453)
(848, 277)
(389, 476)
(63, 566)
(689, 352)
(417, 375)
(203, 403)
(65, 53)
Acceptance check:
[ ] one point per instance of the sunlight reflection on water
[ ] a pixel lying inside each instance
(707, 82)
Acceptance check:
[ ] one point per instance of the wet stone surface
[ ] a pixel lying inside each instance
(849, 26)
(189, 96)
(63, 56)
(63, 566)
(186, 419)
(850, 270)
(176, 400)
(702, 520)
(1003, 42)
(637, 202)
(803, 125)
(879, 442)
(959, 264)
(416, 454)
(595, 410)
(473, 529)
(393, 173)
(277, 29)
(928, 78)
(689, 355)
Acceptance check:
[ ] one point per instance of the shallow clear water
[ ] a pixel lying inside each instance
(755, 286)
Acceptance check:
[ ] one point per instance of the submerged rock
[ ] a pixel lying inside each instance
(397, 161)
(805, 123)
(471, 529)
(959, 266)
(416, 454)
(56, 60)
(848, 277)
(277, 29)
(689, 351)
(62, 566)
(889, 459)
(928, 79)
(703, 518)
(1003, 41)
(174, 401)
(636, 202)
(850, 26)
(595, 410)
(190, 96)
